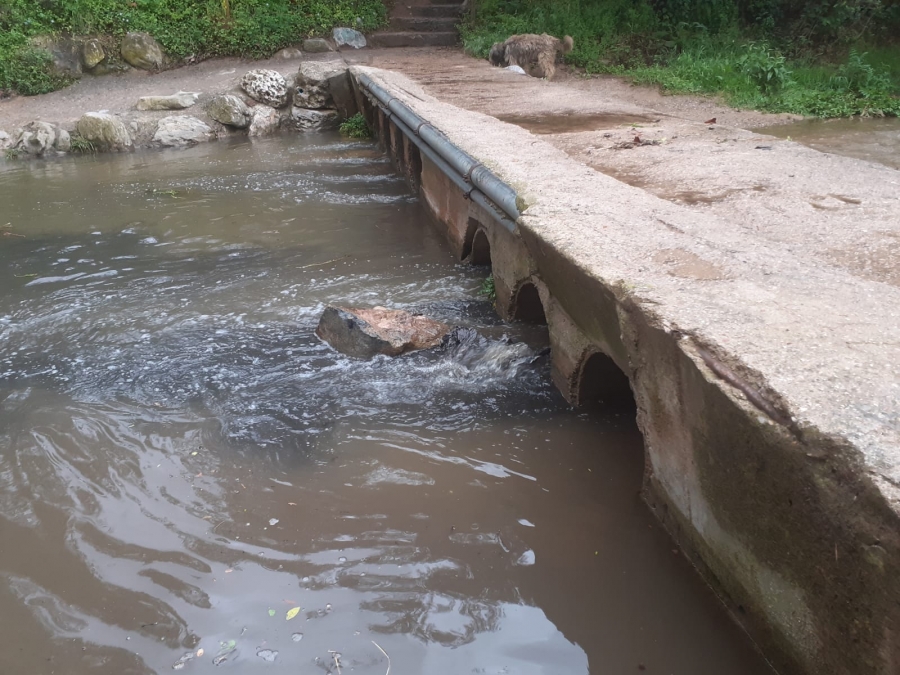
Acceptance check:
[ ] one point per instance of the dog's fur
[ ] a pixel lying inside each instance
(535, 54)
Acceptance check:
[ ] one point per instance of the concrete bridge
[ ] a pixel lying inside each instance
(766, 375)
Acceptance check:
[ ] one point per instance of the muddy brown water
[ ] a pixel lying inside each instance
(872, 138)
(182, 463)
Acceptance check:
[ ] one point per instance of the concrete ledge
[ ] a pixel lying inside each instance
(767, 383)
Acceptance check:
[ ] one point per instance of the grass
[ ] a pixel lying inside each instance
(704, 48)
(355, 127)
(82, 146)
(199, 28)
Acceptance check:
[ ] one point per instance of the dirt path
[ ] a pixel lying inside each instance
(448, 72)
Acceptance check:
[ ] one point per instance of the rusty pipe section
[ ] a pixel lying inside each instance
(477, 180)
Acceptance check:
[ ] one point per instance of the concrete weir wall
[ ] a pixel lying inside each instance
(771, 443)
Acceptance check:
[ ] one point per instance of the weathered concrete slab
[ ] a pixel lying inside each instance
(766, 372)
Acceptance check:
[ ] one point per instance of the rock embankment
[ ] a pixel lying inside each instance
(260, 102)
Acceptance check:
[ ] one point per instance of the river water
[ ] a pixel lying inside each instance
(876, 139)
(190, 480)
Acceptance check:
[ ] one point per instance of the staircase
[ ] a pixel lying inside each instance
(421, 23)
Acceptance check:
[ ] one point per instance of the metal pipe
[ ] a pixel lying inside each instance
(464, 164)
(470, 191)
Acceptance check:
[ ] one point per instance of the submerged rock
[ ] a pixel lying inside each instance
(303, 119)
(142, 51)
(347, 37)
(365, 333)
(177, 101)
(229, 110)
(316, 46)
(104, 131)
(92, 53)
(264, 120)
(180, 130)
(266, 86)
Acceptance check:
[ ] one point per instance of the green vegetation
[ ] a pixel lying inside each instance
(356, 127)
(831, 59)
(199, 28)
(82, 146)
(488, 289)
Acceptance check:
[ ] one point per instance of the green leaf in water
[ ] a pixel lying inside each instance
(271, 612)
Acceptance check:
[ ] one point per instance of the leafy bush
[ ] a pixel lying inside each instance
(253, 28)
(355, 127)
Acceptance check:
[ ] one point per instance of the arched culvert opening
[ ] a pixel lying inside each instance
(602, 384)
(481, 249)
(528, 305)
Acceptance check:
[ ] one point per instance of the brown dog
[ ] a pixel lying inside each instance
(535, 54)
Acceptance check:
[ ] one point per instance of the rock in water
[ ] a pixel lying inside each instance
(264, 120)
(303, 119)
(36, 138)
(142, 51)
(180, 130)
(63, 140)
(229, 110)
(316, 46)
(178, 101)
(5, 140)
(312, 80)
(266, 86)
(349, 38)
(104, 131)
(92, 53)
(364, 333)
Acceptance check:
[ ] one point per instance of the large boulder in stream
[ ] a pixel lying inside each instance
(303, 119)
(312, 80)
(264, 120)
(104, 131)
(365, 333)
(142, 51)
(266, 86)
(181, 130)
(229, 110)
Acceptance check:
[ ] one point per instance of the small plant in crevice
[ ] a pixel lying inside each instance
(82, 146)
(488, 289)
(11, 154)
(355, 127)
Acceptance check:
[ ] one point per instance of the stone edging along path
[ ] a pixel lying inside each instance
(316, 98)
(767, 381)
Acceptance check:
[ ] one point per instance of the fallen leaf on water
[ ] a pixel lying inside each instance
(199, 653)
(271, 612)
(291, 613)
(711, 120)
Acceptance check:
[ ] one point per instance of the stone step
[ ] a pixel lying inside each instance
(409, 39)
(436, 10)
(424, 24)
